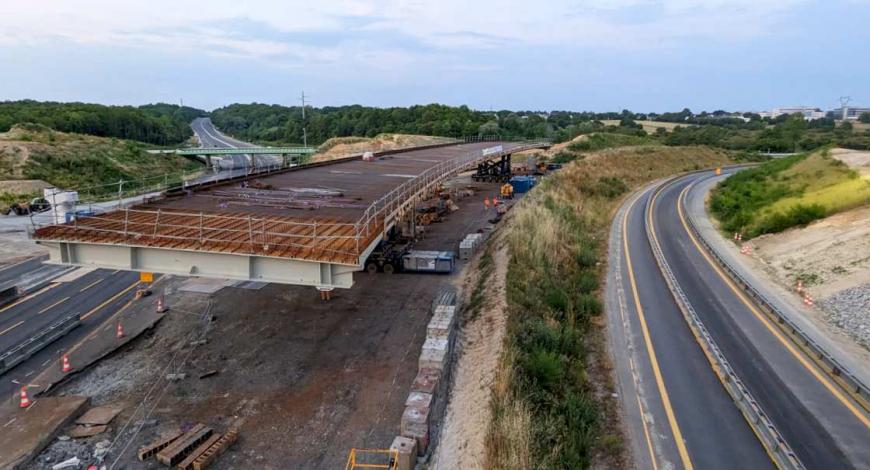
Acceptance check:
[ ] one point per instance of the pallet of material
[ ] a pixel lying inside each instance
(212, 453)
(187, 463)
(179, 449)
(158, 445)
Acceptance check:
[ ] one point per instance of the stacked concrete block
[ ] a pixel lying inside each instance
(435, 354)
(427, 401)
(415, 425)
(442, 323)
(469, 245)
(406, 448)
(427, 381)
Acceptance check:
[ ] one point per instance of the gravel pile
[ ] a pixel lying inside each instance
(849, 309)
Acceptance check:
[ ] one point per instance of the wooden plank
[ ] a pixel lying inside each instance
(209, 456)
(158, 445)
(176, 452)
(187, 463)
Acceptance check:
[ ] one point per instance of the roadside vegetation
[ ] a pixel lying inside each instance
(35, 152)
(158, 124)
(787, 192)
(552, 405)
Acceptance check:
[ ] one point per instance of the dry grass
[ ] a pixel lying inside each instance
(549, 406)
(338, 147)
(649, 126)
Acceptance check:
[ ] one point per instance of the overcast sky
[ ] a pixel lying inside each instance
(645, 55)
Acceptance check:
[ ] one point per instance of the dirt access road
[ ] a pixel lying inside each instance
(310, 379)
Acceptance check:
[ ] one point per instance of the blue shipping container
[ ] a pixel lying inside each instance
(522, 184)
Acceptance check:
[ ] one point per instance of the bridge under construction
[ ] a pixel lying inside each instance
(308, 225)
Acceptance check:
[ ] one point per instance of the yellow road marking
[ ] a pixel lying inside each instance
(109, 300)
(91, 285)
(773, 330)
(28, 297)
(702, 345)
(7, 330)
(54, 304)
(652, 456)
(666, 401)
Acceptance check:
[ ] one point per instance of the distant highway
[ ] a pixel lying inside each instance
(678, 411)
(210, 137)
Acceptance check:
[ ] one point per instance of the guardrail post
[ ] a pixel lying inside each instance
(126, 221)
(251, 232)
(156, 223)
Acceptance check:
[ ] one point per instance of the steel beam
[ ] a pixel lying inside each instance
(242, 267)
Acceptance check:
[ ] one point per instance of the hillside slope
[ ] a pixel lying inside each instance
(67, 160)
(786, 193)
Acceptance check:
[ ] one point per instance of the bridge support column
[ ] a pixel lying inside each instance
(325, 293)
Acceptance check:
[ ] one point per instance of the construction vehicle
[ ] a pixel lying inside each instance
(37, 204)
(390, 257)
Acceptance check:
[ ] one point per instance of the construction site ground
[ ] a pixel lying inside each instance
(307, 379)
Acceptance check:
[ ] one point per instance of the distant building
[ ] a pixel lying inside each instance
(848, 113)
(809, 113)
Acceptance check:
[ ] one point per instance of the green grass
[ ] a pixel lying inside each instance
(601, 140)
(552, 406)
(77, 161)
(785, 193)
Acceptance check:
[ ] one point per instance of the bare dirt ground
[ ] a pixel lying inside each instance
(856, 159)
(338, 147)
(481, 340)
(831, 255)
(308, 379)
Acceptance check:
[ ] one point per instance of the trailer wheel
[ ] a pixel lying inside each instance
(372, 268)
(389, 268)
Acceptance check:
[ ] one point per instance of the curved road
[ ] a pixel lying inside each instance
(210, 137)
(677, 411)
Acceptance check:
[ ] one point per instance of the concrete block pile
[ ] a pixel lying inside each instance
(427, 400)
(469, 245)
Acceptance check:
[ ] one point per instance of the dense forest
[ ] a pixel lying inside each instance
(747, 132)
(274, 123)
(159, 124)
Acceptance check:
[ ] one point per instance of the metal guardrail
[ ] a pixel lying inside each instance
(387, 208)
(769, 436)
(246, 151)
(37, 342)
(847, 380)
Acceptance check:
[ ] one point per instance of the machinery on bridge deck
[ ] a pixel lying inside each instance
(494, 170)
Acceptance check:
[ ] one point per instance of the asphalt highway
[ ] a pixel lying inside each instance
(678, 399)
(95, 295)
(687, 419)
(210, 137)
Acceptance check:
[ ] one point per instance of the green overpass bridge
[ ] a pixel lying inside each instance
(207, 152)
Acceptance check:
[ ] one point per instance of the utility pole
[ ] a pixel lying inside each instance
(304, 133)
(844, 105)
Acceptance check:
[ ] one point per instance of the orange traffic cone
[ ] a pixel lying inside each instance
(25, 401)
(65, 367)
(160, 307)
(120, 331)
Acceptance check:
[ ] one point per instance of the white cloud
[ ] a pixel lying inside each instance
(447, 25)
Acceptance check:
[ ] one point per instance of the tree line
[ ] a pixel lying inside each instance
(159, 124)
